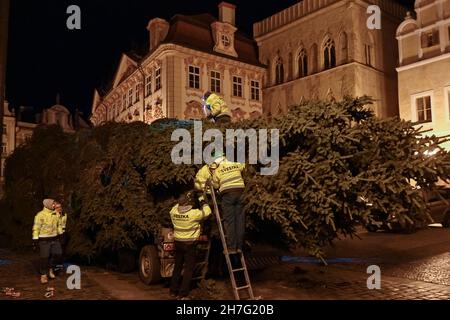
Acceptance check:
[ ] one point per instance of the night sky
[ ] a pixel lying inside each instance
(45, 58)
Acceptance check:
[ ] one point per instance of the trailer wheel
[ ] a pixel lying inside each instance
(149, 265)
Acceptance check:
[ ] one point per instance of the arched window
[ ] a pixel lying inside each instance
(302, 61)
(279, 72)
(329, 54)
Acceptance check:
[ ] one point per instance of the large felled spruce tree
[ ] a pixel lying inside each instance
(339, 166)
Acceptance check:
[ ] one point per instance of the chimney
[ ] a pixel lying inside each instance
(158, 29)
(227, 13)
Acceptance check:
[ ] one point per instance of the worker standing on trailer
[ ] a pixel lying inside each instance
(186, 221)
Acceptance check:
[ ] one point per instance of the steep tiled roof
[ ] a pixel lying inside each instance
(195, 32)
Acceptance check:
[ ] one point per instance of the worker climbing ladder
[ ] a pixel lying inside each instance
(232, 271)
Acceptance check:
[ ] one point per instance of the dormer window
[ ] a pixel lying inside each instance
(223, 34)
(226, 41)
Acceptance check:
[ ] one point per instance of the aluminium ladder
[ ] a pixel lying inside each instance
(247, 285)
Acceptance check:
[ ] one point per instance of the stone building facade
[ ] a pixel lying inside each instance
(320, 47)
(188, 55)
(424, 66)
(17, 128)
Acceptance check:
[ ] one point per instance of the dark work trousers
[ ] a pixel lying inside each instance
(50, 254)
(184, 256)
(234, 218)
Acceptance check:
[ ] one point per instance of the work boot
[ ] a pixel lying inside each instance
(51, 274)
(44, 279)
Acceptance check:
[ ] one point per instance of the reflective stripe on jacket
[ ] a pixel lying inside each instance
(186, 221)
(218, 106)
(45, 224)
(228, 175)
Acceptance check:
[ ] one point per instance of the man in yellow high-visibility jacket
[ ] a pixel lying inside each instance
(186, 222)
(45, 233)
(216, 108)
(227, 177)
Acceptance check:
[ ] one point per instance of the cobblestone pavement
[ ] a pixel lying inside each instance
(19, 271)
(413, 266)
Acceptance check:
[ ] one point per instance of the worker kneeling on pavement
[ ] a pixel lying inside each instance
(45, 234)
(216, 108)
(186, 221)
(227, 177)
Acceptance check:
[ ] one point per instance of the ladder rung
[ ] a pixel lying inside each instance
(237, 270)
(244, 287)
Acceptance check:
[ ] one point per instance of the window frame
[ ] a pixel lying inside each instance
(302, 64)
(196, 78)
(225, 40)
(329, 47)
(217, 79)
(368, 54)
(414, 109)
(447, 104)
(148, 85)
(130, 97)
(254, 89)
(279, 71)
(137, 96)
(158, 82)
(238, 85)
